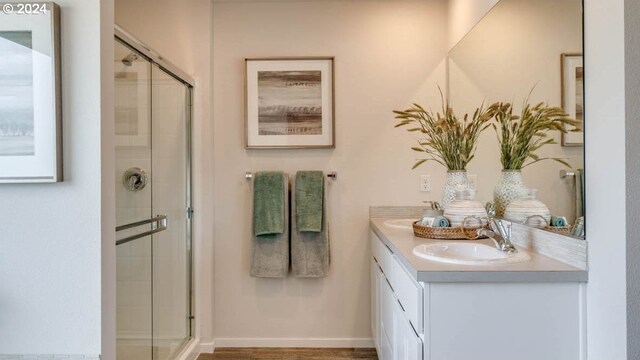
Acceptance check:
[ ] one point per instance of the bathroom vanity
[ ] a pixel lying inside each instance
(430, 310)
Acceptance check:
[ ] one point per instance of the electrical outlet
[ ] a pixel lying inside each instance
(425, 183)
(473, 182)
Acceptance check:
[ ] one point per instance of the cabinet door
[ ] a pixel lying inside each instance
(375, 302)
(407, 345)
(386, 330)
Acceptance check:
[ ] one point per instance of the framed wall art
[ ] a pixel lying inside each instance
(289, 103)
(572, 90)
(30, 104)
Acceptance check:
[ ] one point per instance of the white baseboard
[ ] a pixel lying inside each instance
(207, 348)
(295, 342)
(191, 350)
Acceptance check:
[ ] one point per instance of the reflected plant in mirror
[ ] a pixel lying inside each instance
(519, 138)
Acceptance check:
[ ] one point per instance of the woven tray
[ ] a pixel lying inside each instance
(446, 233)
(559, 229)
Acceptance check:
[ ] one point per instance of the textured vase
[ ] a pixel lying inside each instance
(528, 209)
(507, 190)
(465, 206)
(456, 180)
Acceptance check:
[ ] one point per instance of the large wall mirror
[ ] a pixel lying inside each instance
(520, 45)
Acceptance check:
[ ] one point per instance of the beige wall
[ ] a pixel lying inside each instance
(464, 15)
(387, 54)
(180, 31)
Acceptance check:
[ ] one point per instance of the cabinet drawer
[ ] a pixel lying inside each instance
(407, 345)
(383, 255)
(409, 293)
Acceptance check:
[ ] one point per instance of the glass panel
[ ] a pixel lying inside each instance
(133, 151)
(171, 264)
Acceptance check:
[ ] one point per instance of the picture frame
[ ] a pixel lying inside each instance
(289, 103)
(30, 93)
(572, 95)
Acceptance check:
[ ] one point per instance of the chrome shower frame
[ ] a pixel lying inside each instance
(142, 50)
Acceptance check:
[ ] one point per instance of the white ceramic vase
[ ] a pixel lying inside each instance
(464, 206)
(456, 180)
(528, 209)
(507, 190)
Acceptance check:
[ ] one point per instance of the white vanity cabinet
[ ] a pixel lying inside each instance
(396, 307)
(472, 320)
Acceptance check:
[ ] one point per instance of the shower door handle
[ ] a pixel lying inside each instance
(158, 223)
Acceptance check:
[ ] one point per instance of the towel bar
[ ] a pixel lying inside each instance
(331, 175)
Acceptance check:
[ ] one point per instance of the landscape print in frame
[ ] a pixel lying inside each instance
(289, 103)
(572, 89)
(30, 92)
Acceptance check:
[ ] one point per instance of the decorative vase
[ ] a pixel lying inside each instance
(507, 190)
(528, 209)
(456, 180)
(464, 206)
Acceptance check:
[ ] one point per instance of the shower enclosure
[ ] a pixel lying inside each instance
(153, 203)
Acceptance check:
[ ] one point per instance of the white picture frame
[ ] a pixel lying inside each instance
(289, 103)
(30, 93)
(572, 90)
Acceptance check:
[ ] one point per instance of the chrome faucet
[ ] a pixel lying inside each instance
(500, 235)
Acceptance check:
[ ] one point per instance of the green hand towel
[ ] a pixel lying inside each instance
(309, 200)
(268, 203)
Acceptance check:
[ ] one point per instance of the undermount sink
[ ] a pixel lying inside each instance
(468, 254)
(406, 224)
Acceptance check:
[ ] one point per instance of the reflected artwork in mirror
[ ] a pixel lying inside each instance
(527, 52)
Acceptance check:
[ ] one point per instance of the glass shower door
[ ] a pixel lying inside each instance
(133, 205)
(171, 253)
(153, 304)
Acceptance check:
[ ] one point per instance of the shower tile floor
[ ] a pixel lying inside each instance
(290, 354)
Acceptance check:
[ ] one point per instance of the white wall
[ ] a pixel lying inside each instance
(50, 263)
(605, 181)
(464, 15)
(387, 54)
(180, 31)
(632, 77)
(514, 48)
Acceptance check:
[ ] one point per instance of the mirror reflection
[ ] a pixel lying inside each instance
(527, 50)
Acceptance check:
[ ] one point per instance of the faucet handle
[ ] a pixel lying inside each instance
(491, 208)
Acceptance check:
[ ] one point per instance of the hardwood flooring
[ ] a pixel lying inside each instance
(290, 354)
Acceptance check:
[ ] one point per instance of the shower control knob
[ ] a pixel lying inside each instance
(134, 179)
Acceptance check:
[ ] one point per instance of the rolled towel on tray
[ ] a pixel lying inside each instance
(270, 220)
(440, 221)
(558, 221)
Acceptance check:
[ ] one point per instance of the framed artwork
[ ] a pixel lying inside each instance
(289, 103)
(30, 105)
(572, 90)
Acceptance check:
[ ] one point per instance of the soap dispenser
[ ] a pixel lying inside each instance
(430, 213)
(464, 205)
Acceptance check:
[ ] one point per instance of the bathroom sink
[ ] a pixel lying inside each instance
(468, 254)
(406, 224)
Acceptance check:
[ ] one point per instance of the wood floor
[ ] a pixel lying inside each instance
(290, 354)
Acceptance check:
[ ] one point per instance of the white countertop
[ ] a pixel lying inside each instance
(539, 269)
